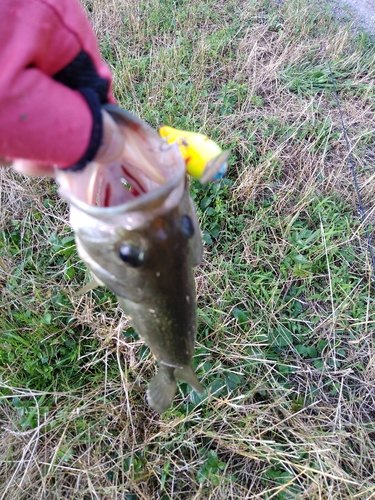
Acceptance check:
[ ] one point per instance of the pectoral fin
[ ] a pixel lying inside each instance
(86, 288)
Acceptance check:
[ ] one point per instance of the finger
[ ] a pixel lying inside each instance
(33, 168)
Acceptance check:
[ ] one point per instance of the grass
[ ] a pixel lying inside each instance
(286, 302)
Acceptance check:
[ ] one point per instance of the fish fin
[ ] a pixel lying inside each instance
(161, 389)
(187, 374)
(86, 288)
(216, 168)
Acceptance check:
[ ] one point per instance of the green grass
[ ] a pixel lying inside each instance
(285, 298)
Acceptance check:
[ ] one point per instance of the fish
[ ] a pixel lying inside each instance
(137, 231)
(204, 158)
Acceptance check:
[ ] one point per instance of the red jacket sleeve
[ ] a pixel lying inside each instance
(41, 118)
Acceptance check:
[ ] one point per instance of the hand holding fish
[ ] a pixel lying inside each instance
(134, 222)
(52, 89)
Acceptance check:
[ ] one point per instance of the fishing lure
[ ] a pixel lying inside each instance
(204, 159)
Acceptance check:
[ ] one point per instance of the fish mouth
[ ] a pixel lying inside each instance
(148, 172)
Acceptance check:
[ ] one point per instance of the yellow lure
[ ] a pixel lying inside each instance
(204, 159)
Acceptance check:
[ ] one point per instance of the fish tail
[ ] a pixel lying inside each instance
(161, 389)
(187, 374)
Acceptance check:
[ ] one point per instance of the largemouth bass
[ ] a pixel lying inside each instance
(137, 231)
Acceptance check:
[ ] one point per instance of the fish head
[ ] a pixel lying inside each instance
(133, 216)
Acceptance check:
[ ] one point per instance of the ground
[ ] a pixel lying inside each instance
(363, 11)
(286, 317)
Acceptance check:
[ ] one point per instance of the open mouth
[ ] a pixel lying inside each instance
(147, 163)
(118, 183)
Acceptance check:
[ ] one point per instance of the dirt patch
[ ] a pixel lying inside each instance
(361, 11)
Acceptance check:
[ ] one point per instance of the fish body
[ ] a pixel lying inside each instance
(204, 159)
(143, 246)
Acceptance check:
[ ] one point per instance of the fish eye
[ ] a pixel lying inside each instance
(132, 256)
(187, 226)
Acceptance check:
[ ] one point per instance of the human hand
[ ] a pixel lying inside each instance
(110, 150)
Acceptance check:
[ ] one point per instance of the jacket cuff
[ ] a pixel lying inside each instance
(95, 142)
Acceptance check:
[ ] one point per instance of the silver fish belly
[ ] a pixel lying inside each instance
(144, 249)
